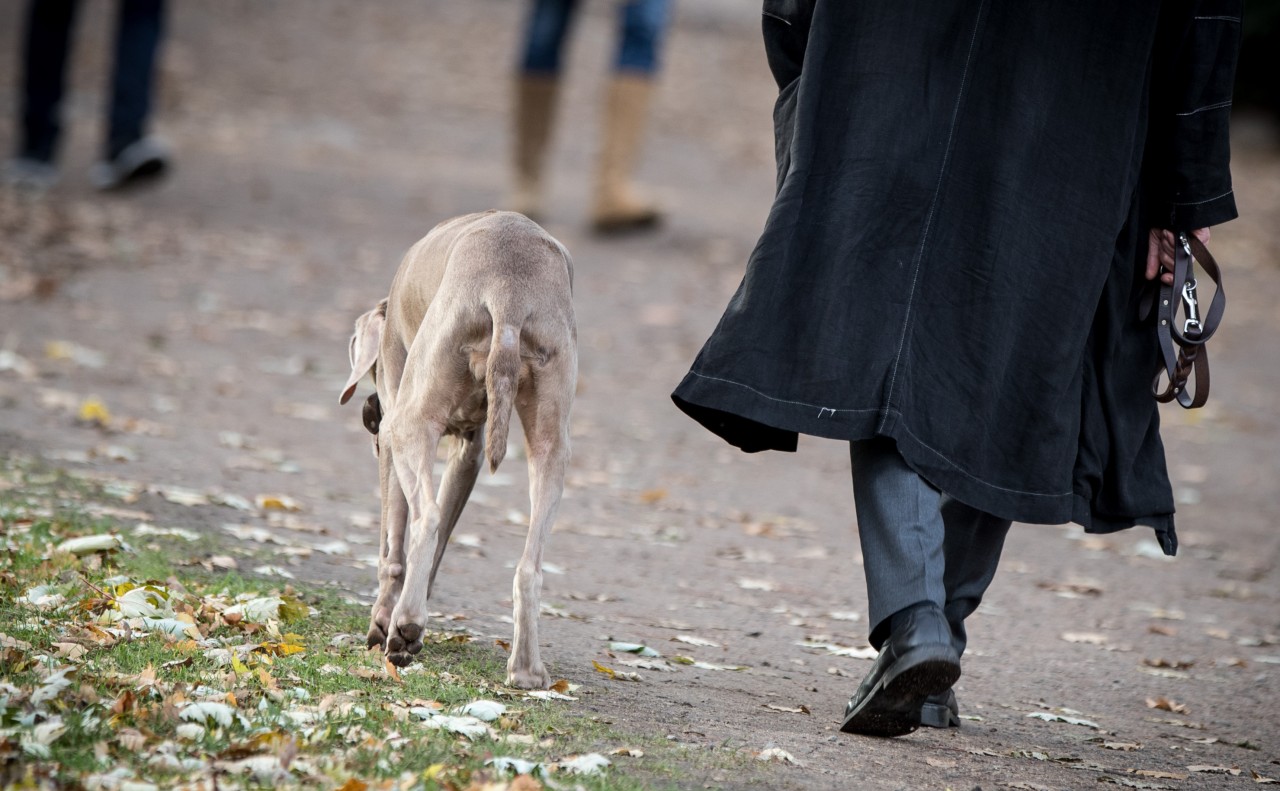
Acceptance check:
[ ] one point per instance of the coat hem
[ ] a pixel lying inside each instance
(754, 421)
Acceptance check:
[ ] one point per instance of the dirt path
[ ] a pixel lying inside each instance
(318, 139)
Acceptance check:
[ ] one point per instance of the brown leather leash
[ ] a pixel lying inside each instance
(1183, 349)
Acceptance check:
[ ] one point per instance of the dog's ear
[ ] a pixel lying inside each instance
(365, 343)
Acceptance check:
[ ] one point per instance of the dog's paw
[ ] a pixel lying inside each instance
(377, 637)
(534, 678)
(404, 642)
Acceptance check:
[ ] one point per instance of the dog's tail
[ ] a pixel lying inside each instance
(502, 378)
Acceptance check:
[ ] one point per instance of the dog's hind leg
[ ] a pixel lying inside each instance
(391, 560)
(413, 439)
(547, 433)
(455, 488)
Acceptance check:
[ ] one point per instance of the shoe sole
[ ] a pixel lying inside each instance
(893, 707)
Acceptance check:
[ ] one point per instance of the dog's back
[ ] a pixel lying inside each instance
(500, 287)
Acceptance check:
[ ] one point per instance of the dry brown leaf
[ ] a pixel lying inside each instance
(1167, 631)
(1158, 775)
(561, 686)
(1166, 704)
(1127, 747)
(941, 763)
(1261, 780)
(392, 671)
(1173, 664)
(653, 496)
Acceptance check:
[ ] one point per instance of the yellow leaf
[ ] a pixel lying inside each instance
(238, 666)
(287, 649)
(608, 671)
(432, 771)
(354, 785)
(94, 411)
(277, 502)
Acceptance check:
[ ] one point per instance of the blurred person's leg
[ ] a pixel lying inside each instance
(902, 533)
(974, 541)
(536, 95)
(130, 155)
(43, 80)
(618, 205)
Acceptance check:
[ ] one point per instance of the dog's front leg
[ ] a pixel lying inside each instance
(548, 439)
(414, 452)
(391, 559)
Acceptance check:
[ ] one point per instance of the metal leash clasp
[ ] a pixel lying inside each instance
(1189, 295)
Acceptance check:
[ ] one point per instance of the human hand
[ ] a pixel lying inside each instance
(1160, 252)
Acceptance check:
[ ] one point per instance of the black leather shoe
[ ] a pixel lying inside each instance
(916, 661)
(940, 711)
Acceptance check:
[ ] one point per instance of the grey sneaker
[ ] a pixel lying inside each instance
(141, 161)
(25, 173)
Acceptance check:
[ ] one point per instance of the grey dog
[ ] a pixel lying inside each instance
(479, 321)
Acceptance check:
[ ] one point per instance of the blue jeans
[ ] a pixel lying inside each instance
(49, 24)
(643, 24)
(918, 544)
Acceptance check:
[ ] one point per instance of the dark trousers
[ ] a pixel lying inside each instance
(918, 544)
(49, 24)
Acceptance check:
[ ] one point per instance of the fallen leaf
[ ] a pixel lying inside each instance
(628, 752)
(941, 763)
(653, 496)
(588, 764)
(1214, 770)
(788, 709)
(94, 412)
(1127, 747)
(757, 585)
(1088, 638)
(840, 650)
(634, 648)
(698, 641)
(608, 671)
(1159, 775)
(1049, 717)
(277, 502)
(1166, 704)
(777, 755)
(1174, 664)
(87, 545)
(1261, 780)
(392, 672)
(204, 711)
(484, 710)
(1167, 631)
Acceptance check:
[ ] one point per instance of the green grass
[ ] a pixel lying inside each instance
(308, 689)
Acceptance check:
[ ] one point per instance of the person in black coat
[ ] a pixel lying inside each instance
(972, 198)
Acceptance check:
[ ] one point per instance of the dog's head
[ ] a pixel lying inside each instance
(365, 343)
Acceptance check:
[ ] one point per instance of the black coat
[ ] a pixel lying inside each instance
(955, 252)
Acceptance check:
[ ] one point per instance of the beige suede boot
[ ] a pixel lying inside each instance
(618, 207)
(535, 110)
